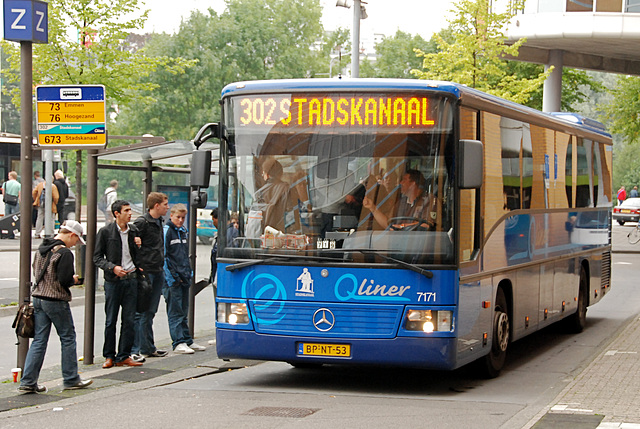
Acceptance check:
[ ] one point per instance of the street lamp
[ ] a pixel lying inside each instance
(359, 12)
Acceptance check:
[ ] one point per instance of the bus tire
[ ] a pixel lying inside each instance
(494, 361)
(578, 320)
(204, 240)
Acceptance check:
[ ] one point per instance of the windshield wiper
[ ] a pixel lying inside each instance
(278, 257)
(428, 274)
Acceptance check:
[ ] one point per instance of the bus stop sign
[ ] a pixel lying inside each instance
(71, 116)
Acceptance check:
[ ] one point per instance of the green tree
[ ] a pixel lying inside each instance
(577, 85)
(475, 58)
(396, 56)
(10, 115)
(86, 47)
(623, 113)
(251, 39)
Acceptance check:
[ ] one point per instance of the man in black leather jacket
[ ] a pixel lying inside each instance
(116, 253)
(151, 261)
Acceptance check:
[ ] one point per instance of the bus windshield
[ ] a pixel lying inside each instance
(345, 175)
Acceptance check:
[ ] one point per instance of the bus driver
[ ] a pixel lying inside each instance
(417, 208)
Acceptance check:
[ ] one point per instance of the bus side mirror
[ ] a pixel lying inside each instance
(200, 168)
(470, 167)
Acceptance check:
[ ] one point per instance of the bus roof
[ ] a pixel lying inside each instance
(469, 96)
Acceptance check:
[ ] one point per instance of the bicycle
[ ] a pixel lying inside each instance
(634, 234)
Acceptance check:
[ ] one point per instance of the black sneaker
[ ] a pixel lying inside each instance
(79, 385)
(38, 388)
(137, 357)
(158, 353)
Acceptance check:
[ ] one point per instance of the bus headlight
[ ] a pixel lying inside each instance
(429, 320)
(233, 313)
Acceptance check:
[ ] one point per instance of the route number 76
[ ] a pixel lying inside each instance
(427, 296)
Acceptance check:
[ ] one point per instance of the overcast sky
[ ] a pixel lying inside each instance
(423, 17)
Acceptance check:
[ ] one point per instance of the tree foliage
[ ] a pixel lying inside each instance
(251, 39)
(476, 57)
(86, 47)
(396, 56)
(577, 85)
(623, 113)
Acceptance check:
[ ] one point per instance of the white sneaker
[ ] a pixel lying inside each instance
(197, 347)
(183, 348)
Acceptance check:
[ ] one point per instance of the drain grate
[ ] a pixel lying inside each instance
(281, 412)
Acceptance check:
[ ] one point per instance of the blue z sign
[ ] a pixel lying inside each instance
(26, 21)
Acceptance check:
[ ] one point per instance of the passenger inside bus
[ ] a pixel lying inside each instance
(275, 202)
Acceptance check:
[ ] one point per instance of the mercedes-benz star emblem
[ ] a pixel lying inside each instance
(323, 319)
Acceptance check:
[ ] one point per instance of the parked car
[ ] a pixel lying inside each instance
(628, 211)
(205, 228)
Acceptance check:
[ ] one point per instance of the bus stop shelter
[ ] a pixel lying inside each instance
(151, 154)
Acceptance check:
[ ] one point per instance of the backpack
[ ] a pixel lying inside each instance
(24, 322)
(102, 203)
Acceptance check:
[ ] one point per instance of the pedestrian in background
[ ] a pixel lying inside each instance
(178, 274)
(63, 193)
(111, 194)
(11, 187)
(53, 266)
(622, 195)
(151, 261)
(36, 181)
(116, 254)
(39, 195)
(11, 197)
(634, 192)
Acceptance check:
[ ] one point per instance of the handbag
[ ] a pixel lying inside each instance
(12, 200)
(144, 293)
(24, 323)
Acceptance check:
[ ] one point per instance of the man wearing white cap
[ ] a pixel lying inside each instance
(53, 268)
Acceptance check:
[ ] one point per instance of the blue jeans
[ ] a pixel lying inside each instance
(9, 209)
(177, 299)
(143, 342)
(57, 313)
(119, 294)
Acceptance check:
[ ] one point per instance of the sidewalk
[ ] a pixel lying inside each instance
(155, 372)
(607, 390)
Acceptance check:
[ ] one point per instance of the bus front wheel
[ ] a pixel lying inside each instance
(494, 361)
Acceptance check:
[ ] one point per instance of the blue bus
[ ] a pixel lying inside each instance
(404, 222)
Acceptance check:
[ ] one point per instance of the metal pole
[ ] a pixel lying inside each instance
(191, 319)
(552, 89)
(89, 266)
(355, 41)
(48, 197)
(26, 169)
(148, 183)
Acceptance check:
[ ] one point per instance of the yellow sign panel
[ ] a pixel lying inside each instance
(71, 116)
(70, 112)
(72, 139)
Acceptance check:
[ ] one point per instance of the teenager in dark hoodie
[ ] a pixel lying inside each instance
(54, 271)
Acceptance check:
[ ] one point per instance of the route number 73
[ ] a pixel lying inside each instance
(427, 296)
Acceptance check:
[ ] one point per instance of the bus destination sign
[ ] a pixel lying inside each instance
(333, 111)
(71, 116)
